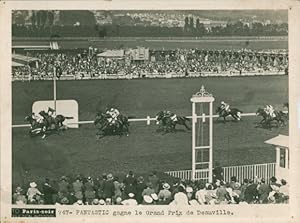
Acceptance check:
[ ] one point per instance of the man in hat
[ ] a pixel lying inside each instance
(164, 195)
(139, 189)
(154, 181)
(48, 192)
(263, 192)
(130, 183)
(108, 187)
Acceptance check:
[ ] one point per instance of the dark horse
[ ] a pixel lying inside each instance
(164, 118)
(36, 128)
(105, 127)
(267, 119)
(54, 123)
(234, 112)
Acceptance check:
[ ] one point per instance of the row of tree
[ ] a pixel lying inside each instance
(236, 29)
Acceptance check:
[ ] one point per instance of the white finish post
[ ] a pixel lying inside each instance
(210, 141)
(194, 119)
(54, 88)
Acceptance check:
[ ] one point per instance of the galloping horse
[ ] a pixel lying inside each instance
(267, 118)
(36, 128)
(164, 118)
(54, 123)
(234, 112)
(105, 127)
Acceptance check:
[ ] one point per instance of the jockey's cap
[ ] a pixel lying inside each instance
(222, 102)
(51, 109)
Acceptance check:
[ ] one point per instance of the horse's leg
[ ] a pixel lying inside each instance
(186, 126)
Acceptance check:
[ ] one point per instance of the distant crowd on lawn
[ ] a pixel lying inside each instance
(152, 190)
(161, 63)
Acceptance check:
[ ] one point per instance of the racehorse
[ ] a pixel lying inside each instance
(267, 119)
(54, 123)
(36, 128)
(105, 127)
(234, 112)
(164, 119)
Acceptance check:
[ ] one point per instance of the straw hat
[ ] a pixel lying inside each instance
(32, 184)
(131, 195)
(154, 197)
(102, 202)
(148, 199)
(96, 201)
(79, 202)
(189, 189)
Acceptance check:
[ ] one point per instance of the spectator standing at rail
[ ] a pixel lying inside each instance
(63, 187)
(139, 189)
(263, 192)
(48, 191)
(89, 191)
(218, 172)
(165, 195)
(78, 188)
(154, 181)
(251, 192)
(130, 183)
(117, 188)
(108, 188)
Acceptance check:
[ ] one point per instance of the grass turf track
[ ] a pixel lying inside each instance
(217, 43)
(77, 150)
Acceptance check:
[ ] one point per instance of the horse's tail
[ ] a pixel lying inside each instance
(130, 117)
(69, 117)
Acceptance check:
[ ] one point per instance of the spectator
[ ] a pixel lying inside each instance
(32, 191)
(78, 188)
(153, 179)
(200, 194)
(251, 193)
(63, 187)
(139, 189)
(89, 193)
(180, 198)
(263, 192)
(118, 188)
(148, 190)
(221, 193)
(130, 183)
(108, 187)
(164, 195)
(49, 192)
(18, 197)
(218, 172)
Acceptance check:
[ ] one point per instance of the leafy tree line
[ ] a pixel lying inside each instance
(191, 29)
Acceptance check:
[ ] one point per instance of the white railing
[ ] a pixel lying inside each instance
(265, 170)
(148, 119)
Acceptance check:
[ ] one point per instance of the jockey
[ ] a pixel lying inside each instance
(38, 118)
(113, 113)
(51, 112)
(171, 115)
(270, 110)
(225, 106)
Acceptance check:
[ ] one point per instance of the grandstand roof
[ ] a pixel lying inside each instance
(111, 53)
(280, 140)
(23, 58)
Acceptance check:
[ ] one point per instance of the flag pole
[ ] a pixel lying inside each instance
(54, 87)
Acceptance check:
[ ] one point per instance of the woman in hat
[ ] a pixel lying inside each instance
(32, 191)
(148, 190)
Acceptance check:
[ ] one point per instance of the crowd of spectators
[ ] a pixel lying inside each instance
(179, 63)
(151, 190)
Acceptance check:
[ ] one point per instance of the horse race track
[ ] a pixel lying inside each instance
(77, 151)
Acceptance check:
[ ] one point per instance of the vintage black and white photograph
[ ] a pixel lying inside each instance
(141, 107)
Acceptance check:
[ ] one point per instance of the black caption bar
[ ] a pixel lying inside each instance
(33, 212)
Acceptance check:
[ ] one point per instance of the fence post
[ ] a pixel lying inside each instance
(148, 120)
